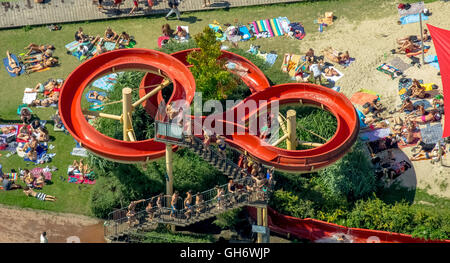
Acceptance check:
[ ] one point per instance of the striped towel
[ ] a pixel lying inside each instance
(41, 196)
(12, 176)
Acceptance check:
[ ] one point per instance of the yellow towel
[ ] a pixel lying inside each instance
(428, 86)
(294, 59)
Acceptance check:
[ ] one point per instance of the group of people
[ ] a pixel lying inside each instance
(38, 57)
(120, 41)
(411, 43)
(50, 90)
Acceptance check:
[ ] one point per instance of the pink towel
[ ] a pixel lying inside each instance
(255, 27)
(79, 181)
(269, 27)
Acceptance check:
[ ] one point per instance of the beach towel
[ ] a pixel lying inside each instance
(399, 64)
(413, 18)
(106, 82)
(28, 97)
(110, 45)
(11, 134)
(361, 98)
(334, 78)
(219, 32)
(12, 176)
(275, 28)
(284, 24)
(416, 138)
(77, 151)
(76, 179)
(293, 63)
(375, 135)
(29, 131)
(72, 46)
(100, 93)
(131, 44)
(6, 64)
(245, 33)
(389, 70)
(413, 9)
(297, 29)
(36, 172)
(41, 152)
(432, 133)
(432, 60)
(426, 104)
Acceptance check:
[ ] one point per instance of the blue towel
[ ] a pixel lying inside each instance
(40, 152)
(106, 82)
(426, 104)
(101, 93)
(433, 61)
(412, 19)
(245, 34)
(361, 119)
(6, 64)
(432, 133)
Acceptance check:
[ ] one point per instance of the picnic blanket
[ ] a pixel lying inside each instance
(432, 60)
(36, 172)
(6, 64)
(41, 152)
(8, 135)
(76, 179)
(400, 64)
(18, 128)
(389, 70)
(413, 18)
(219, 32)
(334, 78)
(106, 82)
(109, 45)
(12, 176)
(245, 33)
(375, 135)
(416, 138)
(28, 97)
(414, 9)
(266, 28)
(72, 46)
(270, 58)
(100, 93)
(362, 98)
(297, 30)
(432, 133)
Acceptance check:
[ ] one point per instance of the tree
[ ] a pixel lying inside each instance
(210, 75)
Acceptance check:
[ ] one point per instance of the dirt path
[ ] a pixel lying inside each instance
(26, 225)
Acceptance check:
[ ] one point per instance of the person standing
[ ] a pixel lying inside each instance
(173, 4)
(150, 4)
(44, 237)
(206, 3)
(135, 7)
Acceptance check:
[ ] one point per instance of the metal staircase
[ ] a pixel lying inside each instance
(147, 219)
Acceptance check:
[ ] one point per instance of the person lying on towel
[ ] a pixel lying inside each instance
(13, 67)
(123, 40)
(232, 66)
(331, 72)
(51, 62)
(430, 116)
(414, 38)
(408, 47)
(38, 48)
(96, 96)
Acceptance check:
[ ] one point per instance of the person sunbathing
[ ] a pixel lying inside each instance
(374, 107)
(331, 72)
(43, 135)
(38, 58)
(13, 67)
(414, 38)
(43, 65)
(80, 36)
(430, 116)
(28, 178)
(25, 115)
(438, 102)
(417, 90)
(408, 47)
(166, 30)
(420, 111)
(30, 145)
(425, 154)
(24, 134)
(40, 182)
(41, 102)
(96, 96)
(123, 40)
(110, 35)
(336, 56)
(32, 155)
(38, 48)
(181, 33)
(40, 196)
(8, 129)
(407, 106)
(309, 56)
(40, 88)
(344, 57)
(100, 48)
(232, 66)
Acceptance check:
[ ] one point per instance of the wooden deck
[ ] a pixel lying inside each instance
(20, 13)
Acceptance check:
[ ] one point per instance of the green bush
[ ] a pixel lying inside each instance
(352, 176)
(229, 219)
(288, 203)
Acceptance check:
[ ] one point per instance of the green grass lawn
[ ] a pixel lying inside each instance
(145, 30)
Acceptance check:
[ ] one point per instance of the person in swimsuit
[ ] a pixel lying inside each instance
(430, 116)
(42, 65)
(25, 115)
(199, 203)
(8, 129)
(232, 66)
(135, 7)
(222, 146)
(188, 205)
(173, 204)
(40, 196)
(330, 72)
(232, 190)
(219, 197)
(309, 56)
(408, 47)
(28, 178)
(123, 40)
(150, 209)
(96, 96)
(131, 214)
(80, 36)
(110, 35)
(24, 133)
(13, 67)
(43, 135)
(38, 48)
(407, 105)
(166, 30)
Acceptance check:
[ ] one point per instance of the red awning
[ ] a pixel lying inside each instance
(441, 41)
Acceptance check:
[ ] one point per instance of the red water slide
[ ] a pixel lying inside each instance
(320, 231)
(175, 68)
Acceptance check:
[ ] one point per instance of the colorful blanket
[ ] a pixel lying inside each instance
(361, 98)
(219, 32)
(270, 27)
(76, 179)
(389, 70)
(100, 93)
(432, 133)
(106, 82)
(432, 60)
(403, 87)
(375, 134)
(36, 172)
(334, 78)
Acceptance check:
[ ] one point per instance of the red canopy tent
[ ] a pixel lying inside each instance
(441, 41)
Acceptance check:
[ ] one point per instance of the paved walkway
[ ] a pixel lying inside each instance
(26, 12)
